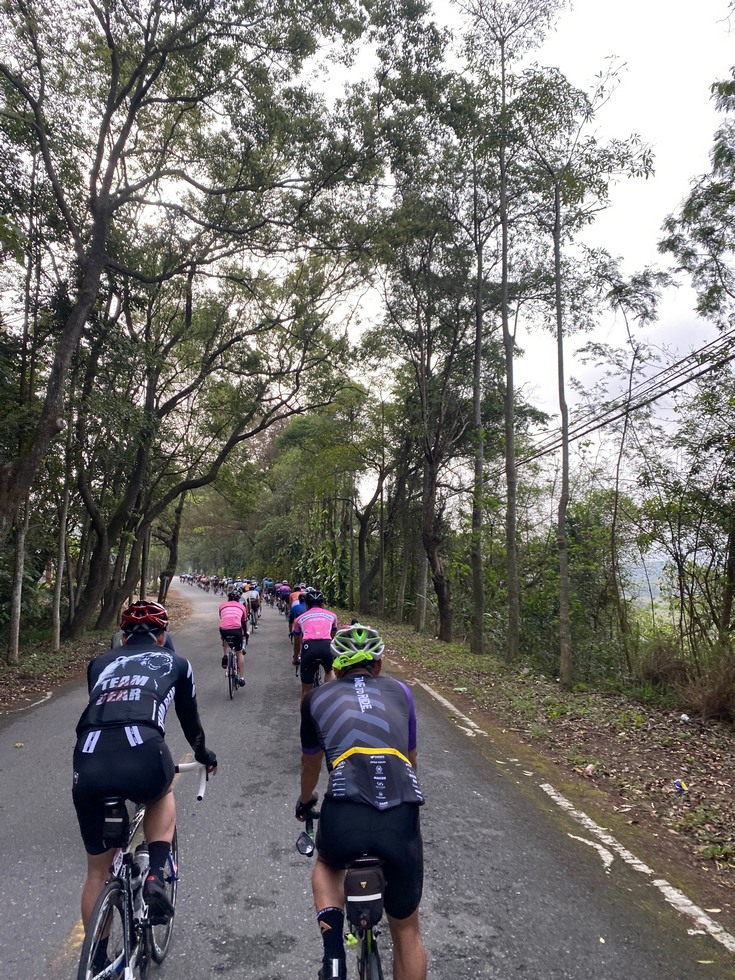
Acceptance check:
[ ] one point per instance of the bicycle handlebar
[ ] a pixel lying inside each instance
(203, 775)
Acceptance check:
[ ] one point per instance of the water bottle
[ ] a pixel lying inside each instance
(141, 864)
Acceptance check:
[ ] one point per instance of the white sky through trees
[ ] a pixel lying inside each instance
(673, 51)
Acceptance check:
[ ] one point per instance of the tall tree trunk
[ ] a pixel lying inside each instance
(90, 598)
(565, 634)
(172, 544)
(17, 596)
(363, 602)
(431, 537)
(618, 596)
(511, 474)
(60, 564)
(478, 571)
(422, 562)
(144, 564)
(115, 597)
(728, 595)
(405, 561)
(353, 555)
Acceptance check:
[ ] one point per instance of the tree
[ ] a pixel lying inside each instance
(177, 115)
(701, 237)
(501, 32)
(574, 173)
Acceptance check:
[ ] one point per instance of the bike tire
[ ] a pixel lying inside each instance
(160, 936)
(231, 683)
(369, 965)
(107, 922)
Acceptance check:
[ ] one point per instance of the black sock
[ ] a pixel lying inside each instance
(158, 851)
(331, 922)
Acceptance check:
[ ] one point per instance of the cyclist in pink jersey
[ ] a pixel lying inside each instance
(233, 623)
(312, 639)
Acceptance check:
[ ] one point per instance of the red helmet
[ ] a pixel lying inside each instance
(144, 617)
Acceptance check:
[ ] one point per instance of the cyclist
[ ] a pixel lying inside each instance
(295, 593)
(365, 726)
(312, 634)
(120, 748)
(284, 593)
(296, 609)
(252, 598)
(233, 623)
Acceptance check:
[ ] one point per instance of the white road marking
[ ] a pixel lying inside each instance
(468, 726)
(607, 857)
(673, 896)
(25, 707)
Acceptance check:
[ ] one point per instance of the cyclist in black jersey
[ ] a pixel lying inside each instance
(120, 748)
(365, 726)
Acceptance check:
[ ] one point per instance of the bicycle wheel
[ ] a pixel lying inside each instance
(368, 965)
(106, 948)
(160, 936)
(231, 681)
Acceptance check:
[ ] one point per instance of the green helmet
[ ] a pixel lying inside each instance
(356, 644)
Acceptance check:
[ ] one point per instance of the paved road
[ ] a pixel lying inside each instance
(514, 886)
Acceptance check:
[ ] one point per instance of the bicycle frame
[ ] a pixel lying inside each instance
(364, 931)
(137, 945)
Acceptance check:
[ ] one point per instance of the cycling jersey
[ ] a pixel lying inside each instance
(315, 624)
(295, 611)
(135, 685)
(232, 616)
(366, 726)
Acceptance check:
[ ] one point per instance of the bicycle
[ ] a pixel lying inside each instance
(318, 673)
(233, 680)
(364, 889)
(120, 939)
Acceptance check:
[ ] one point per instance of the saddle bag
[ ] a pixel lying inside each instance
(116, 823)
(364, 888)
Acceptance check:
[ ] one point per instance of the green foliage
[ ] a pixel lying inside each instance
(35, 597)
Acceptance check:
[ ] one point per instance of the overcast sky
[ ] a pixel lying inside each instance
(673, 50)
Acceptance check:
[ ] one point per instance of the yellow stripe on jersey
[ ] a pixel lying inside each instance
(363, 750)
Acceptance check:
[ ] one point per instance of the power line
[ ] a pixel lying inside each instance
(669, 379)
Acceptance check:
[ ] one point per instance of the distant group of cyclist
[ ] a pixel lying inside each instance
(361, 722)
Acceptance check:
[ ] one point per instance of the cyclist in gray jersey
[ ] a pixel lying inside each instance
(364, 725)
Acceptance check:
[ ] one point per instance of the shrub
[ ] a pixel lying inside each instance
(662, 665)
(713, 694)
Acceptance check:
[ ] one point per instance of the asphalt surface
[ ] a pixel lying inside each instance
(514, 886)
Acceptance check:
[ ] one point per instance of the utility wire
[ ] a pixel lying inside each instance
(717, 353)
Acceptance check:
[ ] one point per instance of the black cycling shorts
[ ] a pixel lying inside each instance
(115, 767)
(348, 830)
(233, 639)
(314, 652)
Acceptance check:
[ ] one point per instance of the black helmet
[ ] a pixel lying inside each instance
(233, 596)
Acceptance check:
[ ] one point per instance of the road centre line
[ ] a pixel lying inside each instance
(677, 899)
